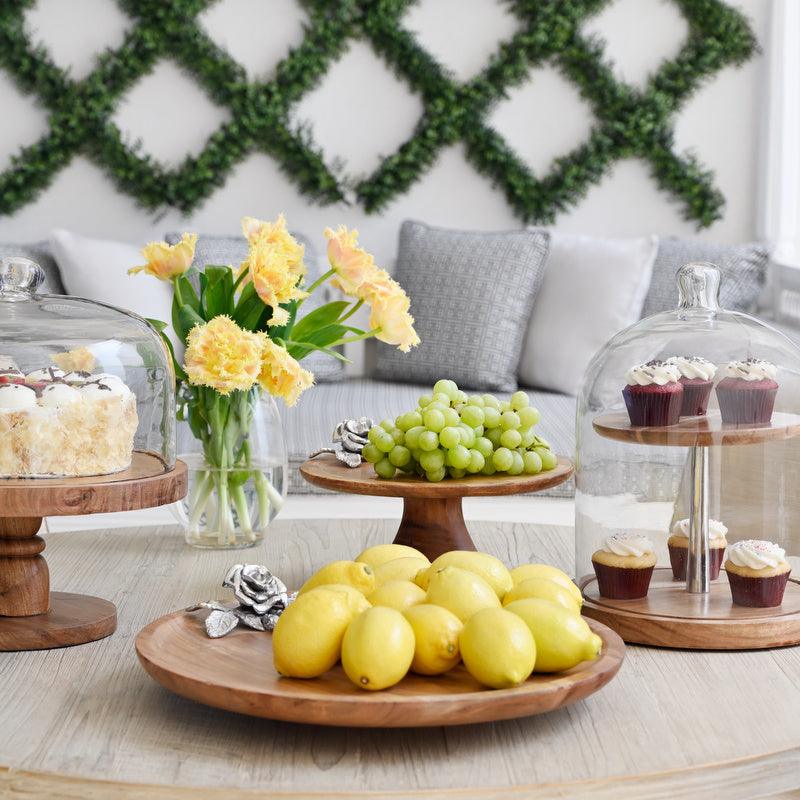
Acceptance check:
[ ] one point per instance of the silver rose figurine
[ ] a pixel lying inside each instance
(349, 438)
(262, 598)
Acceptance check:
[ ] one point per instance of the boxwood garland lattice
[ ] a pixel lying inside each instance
(630, 122)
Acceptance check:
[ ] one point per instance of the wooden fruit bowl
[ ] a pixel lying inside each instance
(235, 673)
(433, 519)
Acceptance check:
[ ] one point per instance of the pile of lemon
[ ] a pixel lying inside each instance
(392, 610)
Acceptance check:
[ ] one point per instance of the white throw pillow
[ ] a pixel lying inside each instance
(97, 269)
(592, 289)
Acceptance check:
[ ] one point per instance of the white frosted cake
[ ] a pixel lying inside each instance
(71, 424)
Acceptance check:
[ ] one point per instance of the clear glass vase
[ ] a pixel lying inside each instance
(232, 498)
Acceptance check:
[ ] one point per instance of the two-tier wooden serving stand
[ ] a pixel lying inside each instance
(31, 616)
(699, 614)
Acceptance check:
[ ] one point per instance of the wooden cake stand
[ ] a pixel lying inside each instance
(433, 519)
(31, 616)
(700, 614)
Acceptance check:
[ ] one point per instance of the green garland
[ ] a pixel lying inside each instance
(629, 122)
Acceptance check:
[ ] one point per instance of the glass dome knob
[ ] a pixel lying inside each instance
(19, 277)
(698, 286)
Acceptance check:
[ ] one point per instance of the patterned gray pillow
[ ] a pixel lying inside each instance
(40, 253)
(471, 296)
(743, 267)
(233, 250)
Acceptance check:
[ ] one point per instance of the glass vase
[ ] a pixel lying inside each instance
(238, 478)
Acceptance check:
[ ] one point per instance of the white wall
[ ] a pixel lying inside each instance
(361, 111)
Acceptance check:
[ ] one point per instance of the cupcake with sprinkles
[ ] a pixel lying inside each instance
(678, 546)
(654, 394)
(697, 379)
(746, 393)
(757, 573)
(624, 566)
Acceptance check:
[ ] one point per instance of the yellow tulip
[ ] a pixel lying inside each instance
(281, 375)
(353, 265)
(164, 261)
(389, 314)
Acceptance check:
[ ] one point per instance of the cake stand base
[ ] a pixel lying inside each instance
(672, 617)
(434, 526)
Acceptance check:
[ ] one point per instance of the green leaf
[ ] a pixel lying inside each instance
(158, 324)
(188, 295)
(319, 318)
(161, 327)
(249, 309)
(187, 319)
(218, 293)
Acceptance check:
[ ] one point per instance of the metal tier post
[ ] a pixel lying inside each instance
(697, 568)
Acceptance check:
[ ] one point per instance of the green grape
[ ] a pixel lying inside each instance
(424, 400)
(509, 420)
(549, 459)
(436, 475)
(479, 431)
(504, 406)
(428, 441)
(445, 387)
(460, 397)
(451, 416)
(502, 459)
(434, 407)
(382, 440)
(519, 400)
(371, 453)
(484, 446)
(387, 425)
(449, 437)
(511, 439)
(518, 464)
(528, 436)
(434, 420)
(456, 473)
(467, 435)
(385, 469)
(412, 436)
(458, 406)
(528, 416)
(472, 415)
(443, 398)
(397, 436)
(399, 455)
(532, 463)
(410, 420)
(490, 401)
(476, 461)
(475, 400)
(489, 467)
(416, 454)
(432, 460)
(458, 457)
(373, 434)
(539, 442)
(491, 417)
(410, 467)
(493, 436)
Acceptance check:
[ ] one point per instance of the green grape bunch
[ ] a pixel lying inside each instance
(451, 433)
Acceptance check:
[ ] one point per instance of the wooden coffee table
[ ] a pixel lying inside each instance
(88, 722)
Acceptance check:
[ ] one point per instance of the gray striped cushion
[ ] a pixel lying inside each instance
(743, 267)
(222, 250)
(40, 253)
(310, 423)
(471, 296)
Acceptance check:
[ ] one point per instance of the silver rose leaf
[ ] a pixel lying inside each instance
(352, 460)
(253, 621)
(220, 623)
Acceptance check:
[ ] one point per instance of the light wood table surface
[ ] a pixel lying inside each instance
(87, 722)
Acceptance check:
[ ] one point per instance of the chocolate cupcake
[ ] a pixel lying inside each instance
(747, 391)
(678, 545)
(654, 394)
(697, 378)
(624, 566)
(757, 573)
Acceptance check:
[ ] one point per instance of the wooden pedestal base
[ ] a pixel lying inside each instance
(434, 526)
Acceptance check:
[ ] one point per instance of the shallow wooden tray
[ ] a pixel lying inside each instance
(236, 673)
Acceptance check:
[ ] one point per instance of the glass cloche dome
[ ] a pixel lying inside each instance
(686, 445)
(85, 388)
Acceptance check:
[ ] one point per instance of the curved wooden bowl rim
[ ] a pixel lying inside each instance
(329, 473)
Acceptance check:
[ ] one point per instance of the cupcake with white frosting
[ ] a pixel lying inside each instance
(624, 566)
(697, 379)
(678, 545)
(757, 573)
(654, 394)
(747, 391)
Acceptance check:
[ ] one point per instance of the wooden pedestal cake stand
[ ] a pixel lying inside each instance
(433, 520)
(31, 616)
(700, 614)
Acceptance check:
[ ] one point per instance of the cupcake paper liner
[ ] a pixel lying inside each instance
(679, 558)
(758, 592)
(695, 398)
(620, 583)
(653, 407)
(741, 405)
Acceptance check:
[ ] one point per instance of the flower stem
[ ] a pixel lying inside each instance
(352, 311)
(349, 339)
(318, 282)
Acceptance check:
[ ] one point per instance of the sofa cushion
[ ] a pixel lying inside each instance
(40, 253)
(471, 296)
(309, 425)
(743, 267)
(232, 250)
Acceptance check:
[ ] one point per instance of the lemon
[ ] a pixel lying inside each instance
(352, 573)
(307, 640)
(436, 632)
(397, 594)
(491, 569)
(526, 571)
(381, 553)
(399, 569)
(563, 639)
(356, 599)
(378, 648)
(545, 590)
(461, 592)
(497, 650)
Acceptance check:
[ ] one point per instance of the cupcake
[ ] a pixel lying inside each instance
(624, 566)
(747, 391)
(697, 378)
(757, 573)
(654, 394)
(678, 545)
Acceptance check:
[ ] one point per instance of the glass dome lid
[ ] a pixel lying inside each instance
(85, 388)
(686, 426)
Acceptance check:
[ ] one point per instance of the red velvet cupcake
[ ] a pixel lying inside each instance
(654, 394)
(746, 393)
(697, 379)
(678, 546)
(757, 573)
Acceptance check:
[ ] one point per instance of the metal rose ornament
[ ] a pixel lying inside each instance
(349, 438)
(261, 595)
